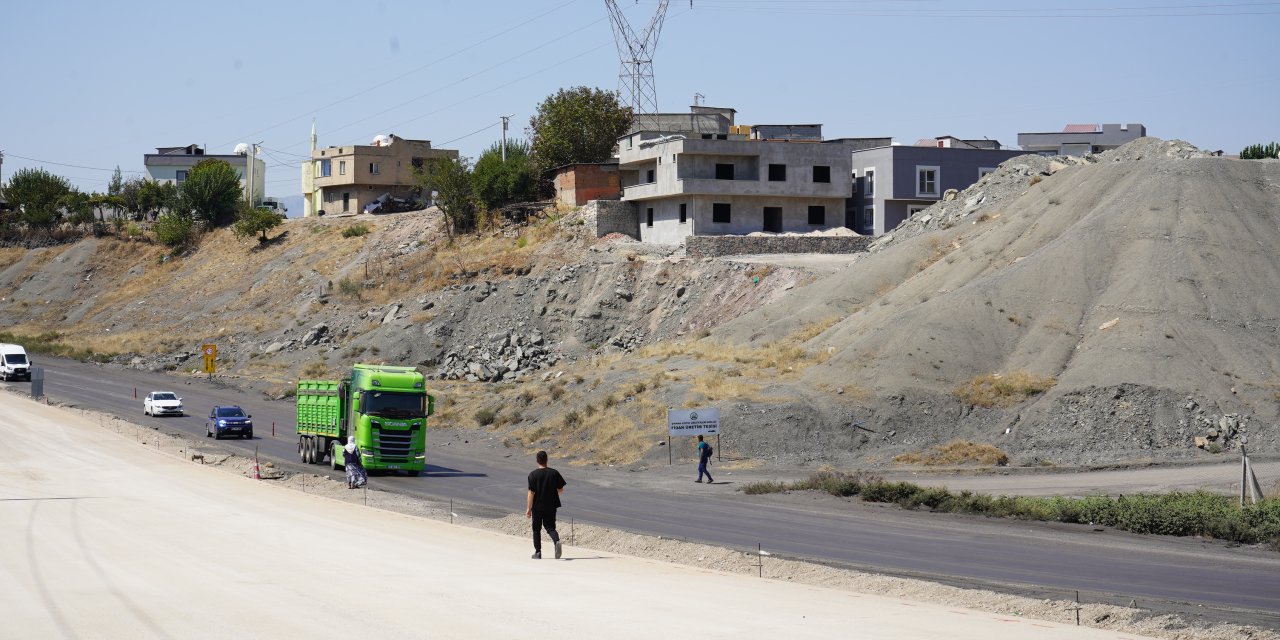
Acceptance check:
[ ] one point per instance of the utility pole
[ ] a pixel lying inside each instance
(1, 166)
(505, 119)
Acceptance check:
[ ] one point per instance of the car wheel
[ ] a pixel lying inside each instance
(248, 436)
(207, 433)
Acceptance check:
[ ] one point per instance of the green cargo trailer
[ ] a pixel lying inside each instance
(384, 407)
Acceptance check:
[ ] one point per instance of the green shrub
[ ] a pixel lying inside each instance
(485, 417)
(355, 230)
(1174, 514)
(764, 486)
(174, 230)
(349, 288)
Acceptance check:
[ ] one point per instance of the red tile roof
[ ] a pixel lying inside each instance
(1080, 128)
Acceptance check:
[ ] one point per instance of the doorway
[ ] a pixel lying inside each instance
(773, 219)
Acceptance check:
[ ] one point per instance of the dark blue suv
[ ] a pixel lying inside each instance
(228, 420)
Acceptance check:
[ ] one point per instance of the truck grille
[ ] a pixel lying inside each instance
(395, 446)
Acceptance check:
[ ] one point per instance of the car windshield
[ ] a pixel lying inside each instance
(15, 358)
(163, 396)
(393, 405)
(229, 412)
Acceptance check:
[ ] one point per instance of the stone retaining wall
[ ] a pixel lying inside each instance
(613, 216)
(715, 246)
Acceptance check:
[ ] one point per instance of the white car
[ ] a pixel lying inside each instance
(162, 403)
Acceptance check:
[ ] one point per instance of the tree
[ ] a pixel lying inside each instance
(252, 220)
(212, 191)
(576, 125)
(38, 194)
(103, 202)
(116, 184)
(497, 183)
(451, 180)
(131, 196)
(79, 207)
(1260, 152)
(159, 198)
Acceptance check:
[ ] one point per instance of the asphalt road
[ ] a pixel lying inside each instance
(1043, 559)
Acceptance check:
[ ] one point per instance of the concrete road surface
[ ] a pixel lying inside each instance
(102, 538)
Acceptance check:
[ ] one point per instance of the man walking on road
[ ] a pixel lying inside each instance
(704, 457)
(545, 486)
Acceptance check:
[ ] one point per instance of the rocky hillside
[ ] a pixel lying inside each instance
(1067, 311)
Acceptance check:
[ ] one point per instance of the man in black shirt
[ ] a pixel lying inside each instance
(545, 486)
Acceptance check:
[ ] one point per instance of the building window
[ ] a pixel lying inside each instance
(724, 171)
(374, 168)
(926, 181)
(867, 221)
(817, 214)
(720, 212)
(326, 168)
(707, 136)
(342, 167)
(649, 176)
(684, 215)
(649, 217)
(630, 141)
(913, 209)
(777, 173)
(821, 173)
(182, 177)
(983, 171)
(870, 180)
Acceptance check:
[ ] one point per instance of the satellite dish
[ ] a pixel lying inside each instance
(382, 141)
(242, 149)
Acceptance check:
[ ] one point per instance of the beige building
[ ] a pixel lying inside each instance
(346, 179)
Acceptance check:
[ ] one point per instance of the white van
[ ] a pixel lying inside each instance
(14, 363)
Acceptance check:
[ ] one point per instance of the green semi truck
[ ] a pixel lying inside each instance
(384, 407)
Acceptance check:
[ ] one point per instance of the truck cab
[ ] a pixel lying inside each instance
(14, 364)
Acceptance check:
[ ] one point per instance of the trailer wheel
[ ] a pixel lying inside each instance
(311, 449)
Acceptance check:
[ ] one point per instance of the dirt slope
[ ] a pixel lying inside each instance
(1177, 252)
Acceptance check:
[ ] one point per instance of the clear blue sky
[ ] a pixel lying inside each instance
(98, 85)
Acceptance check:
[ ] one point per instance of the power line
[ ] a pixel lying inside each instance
(520, 56)
(64, 164)
(407, 73)
(834, 8)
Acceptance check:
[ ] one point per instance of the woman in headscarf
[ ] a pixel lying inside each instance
(356, 475)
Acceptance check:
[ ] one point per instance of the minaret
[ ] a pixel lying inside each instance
(310, 199)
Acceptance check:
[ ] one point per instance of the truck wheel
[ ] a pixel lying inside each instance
(302, 449)
(414, 474)
(310, 450)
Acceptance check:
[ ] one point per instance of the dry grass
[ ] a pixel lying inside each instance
(724, 385)
(1002, 390)
(315, 370)
(938, 250)
(956, 452)
(1035, 180)
(814, 329)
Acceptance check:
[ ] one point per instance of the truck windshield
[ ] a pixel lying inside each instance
(15, 358)
(393, 405)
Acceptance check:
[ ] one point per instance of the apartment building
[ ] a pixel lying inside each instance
(173, 164)
(894, 181)
(345, 179)
(1081, 139)
(735, 183)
